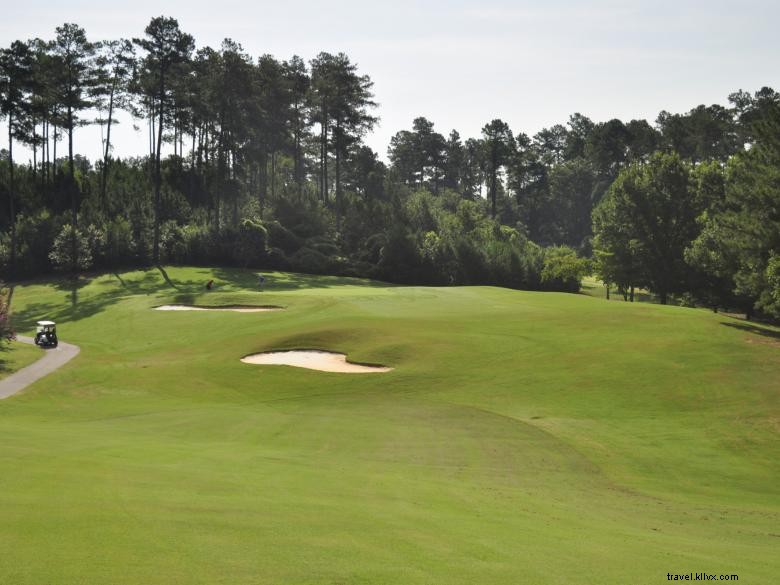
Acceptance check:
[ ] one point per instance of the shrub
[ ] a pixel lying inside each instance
(61, 254)
(252, 244)
(282, 238)
(310, 261)
(563, 270)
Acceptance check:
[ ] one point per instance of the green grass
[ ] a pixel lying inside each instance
(593, 287)
(521, 438)
(16, 355)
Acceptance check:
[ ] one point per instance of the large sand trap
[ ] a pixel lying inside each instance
(324, 361)
(235, 308)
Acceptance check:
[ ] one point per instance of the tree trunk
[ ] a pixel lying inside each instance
(493, 194)
(298, 176)
(493, 180)
(664, 297)
(104, 178)
(273, 176)
(11, 187)
(220, 167)
(158, 174)
(46, 159)
(54, 158)
(338, 174)
(323, 162)
(35, 150)
(262, 167)
(73, 196)
(631, 296)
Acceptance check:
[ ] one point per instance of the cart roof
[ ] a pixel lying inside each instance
(46, 323)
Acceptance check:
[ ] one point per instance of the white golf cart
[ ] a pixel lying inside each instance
(46, 334)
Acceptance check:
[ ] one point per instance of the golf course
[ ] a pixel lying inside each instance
(520, 437)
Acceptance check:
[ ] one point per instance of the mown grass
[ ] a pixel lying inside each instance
(521, 438)
(15, 355)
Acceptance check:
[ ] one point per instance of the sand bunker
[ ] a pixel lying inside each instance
(324, 361)
(235, 308)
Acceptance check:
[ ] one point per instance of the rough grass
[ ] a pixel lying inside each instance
(522, 438)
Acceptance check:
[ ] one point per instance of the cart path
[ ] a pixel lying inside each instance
(52, 359)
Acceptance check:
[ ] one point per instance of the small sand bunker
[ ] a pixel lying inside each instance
(324, 361)
(235, 308)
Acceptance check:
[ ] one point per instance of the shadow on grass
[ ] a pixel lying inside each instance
(79, 304)
(598, 291)
(755, 329)
(166, 278)
(247, 279)
(5, 347)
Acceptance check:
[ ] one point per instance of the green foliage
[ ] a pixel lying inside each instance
(35, 234)
(6, 329)
(283, 238)
(479, 210)
(252, 245)
(562, 267)
(644, 224)
(740, 239)
(72, 239)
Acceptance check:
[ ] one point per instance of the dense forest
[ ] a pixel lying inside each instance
(268, 168)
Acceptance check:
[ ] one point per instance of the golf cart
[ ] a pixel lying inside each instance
(46, 334)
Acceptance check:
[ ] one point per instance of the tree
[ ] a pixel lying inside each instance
(342, 99)
(563, 267)
(580, 128)
(571, 189)
(498, 148)
(273, 106)
(529, 181)
(606, 147)
(651, 210)
(551, 144)
(740, 239)
(454, 156)
(76, 78)
(298, 83)
(166, 46)
(703, 133)
(751, 110)
(114, 68)
(419, 155)
(15, 80)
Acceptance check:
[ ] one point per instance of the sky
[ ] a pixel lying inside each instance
(463, 63)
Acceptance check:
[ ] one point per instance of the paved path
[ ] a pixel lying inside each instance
(51, 360)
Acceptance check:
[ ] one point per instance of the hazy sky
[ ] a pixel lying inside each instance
(463, 63)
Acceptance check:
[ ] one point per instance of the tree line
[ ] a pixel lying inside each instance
(269, 168)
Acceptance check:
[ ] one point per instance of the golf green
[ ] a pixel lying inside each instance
(521, 437)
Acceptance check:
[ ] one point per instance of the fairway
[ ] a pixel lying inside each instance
(520, 437)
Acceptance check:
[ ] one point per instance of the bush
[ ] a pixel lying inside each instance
(61, 254)
(310, 261)
(6, 331)
(563, 270)
(252, 244)
(35, 236)
(119, 243)
(399, 258)
(282, 238)
(173, 244)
